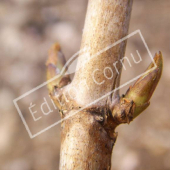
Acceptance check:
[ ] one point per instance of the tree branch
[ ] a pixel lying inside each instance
(87, 137)
(106, 22)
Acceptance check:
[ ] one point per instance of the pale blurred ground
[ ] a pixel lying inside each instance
(27, 30)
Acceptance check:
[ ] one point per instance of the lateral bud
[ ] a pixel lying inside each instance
(144, 87)
(55, 65)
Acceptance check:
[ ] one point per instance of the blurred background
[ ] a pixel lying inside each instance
(27, 29)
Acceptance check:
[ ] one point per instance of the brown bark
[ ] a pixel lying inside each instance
(89, 119)
(88, 136)
(106, 22)
(85, 144)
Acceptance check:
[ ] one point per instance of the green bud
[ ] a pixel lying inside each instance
(144, 87)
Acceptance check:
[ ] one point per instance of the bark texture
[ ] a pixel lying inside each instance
(88, 136)
(106, 23)
(85, 144)
(90, 113)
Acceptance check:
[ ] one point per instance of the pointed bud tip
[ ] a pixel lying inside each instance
(157, 61)
(144, 87)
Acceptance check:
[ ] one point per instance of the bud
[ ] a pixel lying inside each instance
(144, 87)
(55, 68)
